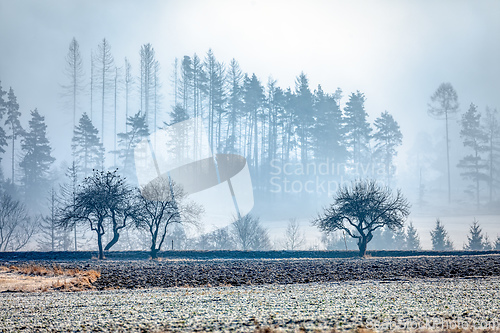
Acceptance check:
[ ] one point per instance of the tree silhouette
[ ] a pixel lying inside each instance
(137, 130)
(75, 74)
(440, 239)
(473, 164)
(358, 131)
(492, 132)
(249, 234)
(88, 150)
(294, 237)
(444, 103)
(16, 226)
(162, 203)
(37, 158)
(412, 238)
(3, 135)
(102, 200)
(362, 208)
(104, 71)
(476, 240)
(14, 124)
(387, 137)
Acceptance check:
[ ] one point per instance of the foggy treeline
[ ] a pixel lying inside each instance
(300, 142)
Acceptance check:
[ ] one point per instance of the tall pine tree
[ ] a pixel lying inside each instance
(473, 165)
(387, 137)
(37, 159)
(3, 135)
(75, 74)
(137, 130)
(328, 134)
(444, 104)
(104, 73)
(88, 151)
(358, 131)
(492, 132)
(16, 130)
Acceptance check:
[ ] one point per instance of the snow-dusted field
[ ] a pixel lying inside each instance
(424, 303)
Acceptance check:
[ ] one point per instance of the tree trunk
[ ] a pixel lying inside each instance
(362, 242)
(154, 253)
(99, 244)
(113, 241)
(448, 159)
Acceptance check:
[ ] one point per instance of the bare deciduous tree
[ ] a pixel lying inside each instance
(161, 203)
(294, 237)
(102, 199)
(250, 235)
(362, 208)
(16, 226)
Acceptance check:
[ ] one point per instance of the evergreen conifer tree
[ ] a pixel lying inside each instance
(387, 137)
(475, 239)
(88, 150)
(412, 238)
(358, 131)
(473, 165)
(440, 239)
(37, 158)
(16, 130)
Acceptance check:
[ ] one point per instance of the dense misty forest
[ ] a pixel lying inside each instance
(300, 143)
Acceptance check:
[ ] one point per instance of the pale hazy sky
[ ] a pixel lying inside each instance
(396, 52)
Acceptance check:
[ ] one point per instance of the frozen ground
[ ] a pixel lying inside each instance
(424, 303)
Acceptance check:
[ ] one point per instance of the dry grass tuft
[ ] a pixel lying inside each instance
(29, 278)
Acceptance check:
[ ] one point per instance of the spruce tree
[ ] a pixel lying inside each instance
(412, 238)
(487, 246)
(37, 159)
(88, 151)
(496, 245)
(387, 137)
(475, 239)
(440, 239)
(473, 165)
(358, 131)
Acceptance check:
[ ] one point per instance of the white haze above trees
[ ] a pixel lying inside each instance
(289, 85)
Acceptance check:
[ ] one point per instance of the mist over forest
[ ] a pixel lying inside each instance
(312, 96)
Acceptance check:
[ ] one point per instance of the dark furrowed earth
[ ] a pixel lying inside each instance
(194, 272)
